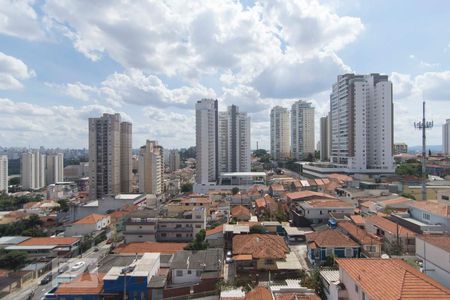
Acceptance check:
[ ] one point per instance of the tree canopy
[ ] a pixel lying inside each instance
(199, 242)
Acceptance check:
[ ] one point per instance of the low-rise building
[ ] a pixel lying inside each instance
(215, 237)
(383, 279)
(259, 251)
(396, 238)
(191, 267)
(370, 244)
(434, 252)
(49, 246)
(328, 243)
(90, 224)
(318, 210)
(240, 213)
(431, 212)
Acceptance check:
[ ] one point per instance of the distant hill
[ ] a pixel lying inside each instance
(433, 148)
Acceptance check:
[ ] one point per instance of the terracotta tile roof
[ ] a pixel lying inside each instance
(312, 182)
(150, 247)
(29, 205)
(328, 203)
(214, 230)
(357, 219)
(277, 187)
(330, 238)
(260, 246)
(340, 177)
(296, 296)
(197, 200)
(366, 204)
(40, 241)
(86, 284)
(240, 210)
(243, 257)
(388, 225)
(359, 234)
(436, 208)
(386, 279)
(259, 293)
(440, 241)
(398, 200)
(260, 203)
(319, 182)
(306, 194)
(90, 219)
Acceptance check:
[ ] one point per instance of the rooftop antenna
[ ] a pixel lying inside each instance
(423, 125)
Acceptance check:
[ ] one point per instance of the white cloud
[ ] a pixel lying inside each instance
(434, 85)
(19, 19)
(402, 85)
(12, 71)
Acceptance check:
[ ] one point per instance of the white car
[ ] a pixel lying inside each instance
(78, 265)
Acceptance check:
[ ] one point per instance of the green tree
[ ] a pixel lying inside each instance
(12, 260)
(63, 205)
(199, 242)
(186, 187)
(234, 190)
(14, 181)
(257, 229)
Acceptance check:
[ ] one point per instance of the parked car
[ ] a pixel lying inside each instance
(78, 265)
(63, 269)
(229, 260)
(96, 249)
(47, 278)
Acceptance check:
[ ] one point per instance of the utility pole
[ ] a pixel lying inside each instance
(424, 125)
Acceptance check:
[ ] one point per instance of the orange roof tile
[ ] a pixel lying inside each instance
(214, 230)
(359, 234)
(240, 210)
(277, 187)
(388, 226)
(306, 194)
(150, 247)
(243, 257)
(386, 279)
(259, 293)
(440, 241)
(330, 238)
(90, 219)
(436, 208)
(86, 284)
(40, 241)
(398, 200)
(260, 246)
(340, 177)
(296, 296)
(260, 203)
(357, 219)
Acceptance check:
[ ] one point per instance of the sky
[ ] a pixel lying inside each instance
(63, 61)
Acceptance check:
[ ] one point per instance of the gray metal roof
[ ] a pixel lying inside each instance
(206, 260)
(12, 240)
(114, 260)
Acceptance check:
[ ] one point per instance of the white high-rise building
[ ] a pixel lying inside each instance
(174, 160)
(280, 138)
(3, 173)
(234, 141)
(207, 146)
(446, 137)
(109, 156)
(302, 130)
(55, 168)
(151, 168)
(324, 138)
(32, 170)
(361, 120)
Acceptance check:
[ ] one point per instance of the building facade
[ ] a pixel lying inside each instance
(446, 137)
(302, 130)
(279, 133)
(325, 138)
(107, 154)
(400, 148)
(32, 170)
(234, 141)
(151, 168)
(3, 173)
(207, 144)
(55, 168)
(361, 120)
(174, 160)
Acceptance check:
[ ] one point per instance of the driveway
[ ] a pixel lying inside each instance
(300, 251)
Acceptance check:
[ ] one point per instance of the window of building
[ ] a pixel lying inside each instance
(163, 234)
(348, 252)
(198, 273)
(356, 288)
(189, 272)
(178, 235)
(445, 197)
(179, 273)
(426, 216)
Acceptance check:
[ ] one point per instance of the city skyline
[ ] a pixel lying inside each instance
(196, 56)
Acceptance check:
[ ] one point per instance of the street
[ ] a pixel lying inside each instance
(90, 257)
(300, 252)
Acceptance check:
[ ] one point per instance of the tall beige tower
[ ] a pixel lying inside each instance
(108, 154)
(54, 169)
(302, 130)
(151, 168)
(125, 157)
(3, 173)
(279, 133)
(32, 170)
